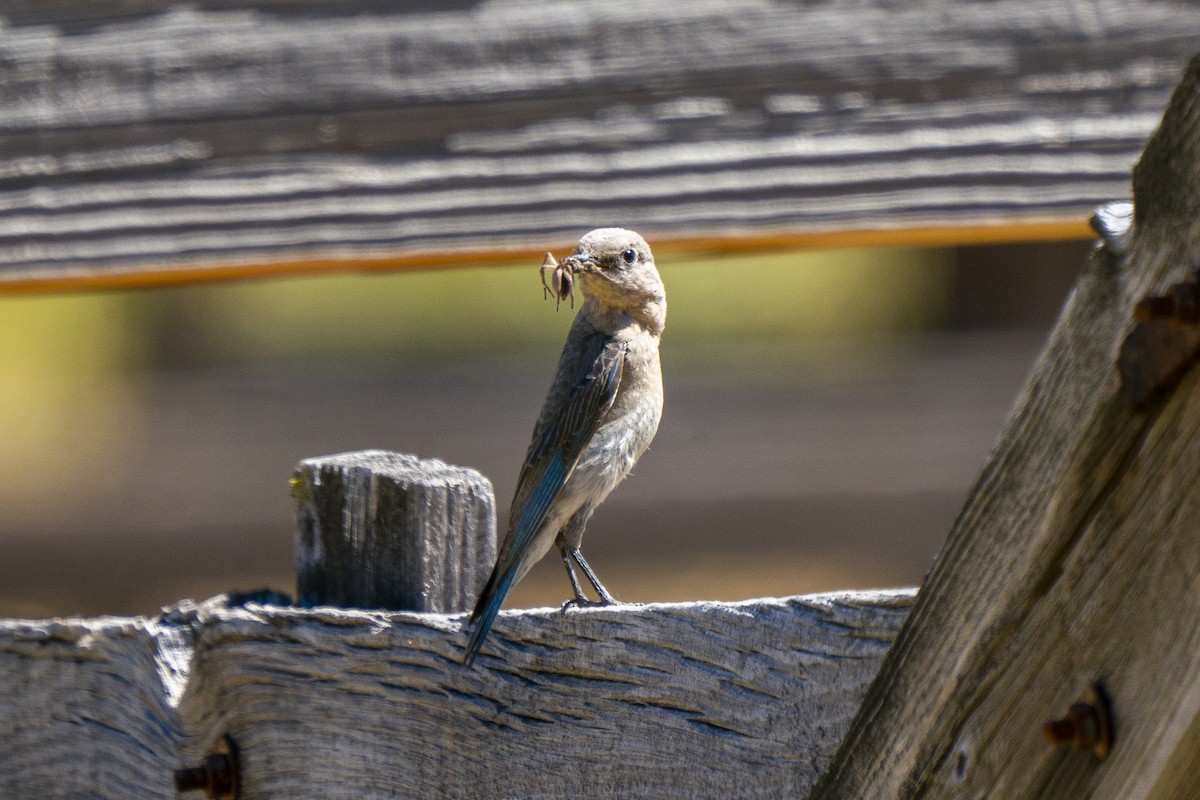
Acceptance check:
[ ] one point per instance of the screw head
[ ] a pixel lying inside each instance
(1088, 724)
(217, 776)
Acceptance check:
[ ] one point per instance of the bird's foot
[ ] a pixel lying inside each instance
(584, 602)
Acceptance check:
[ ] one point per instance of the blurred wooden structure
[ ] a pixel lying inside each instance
(149, 143)
(146, 142)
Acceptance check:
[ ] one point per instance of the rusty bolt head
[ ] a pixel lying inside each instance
(217, 776)
(1180, 304)
(1087, 725)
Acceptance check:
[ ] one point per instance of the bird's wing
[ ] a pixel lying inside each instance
(583, 392)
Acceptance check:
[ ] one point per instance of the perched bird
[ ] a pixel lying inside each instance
(600, 414)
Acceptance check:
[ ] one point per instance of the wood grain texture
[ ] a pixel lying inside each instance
(1074, 560)
(145, 142)
(675, 700)
(88, 707)
(376, 529)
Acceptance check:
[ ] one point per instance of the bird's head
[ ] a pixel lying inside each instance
(616, 269)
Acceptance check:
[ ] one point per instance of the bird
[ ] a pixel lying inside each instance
(599, 416)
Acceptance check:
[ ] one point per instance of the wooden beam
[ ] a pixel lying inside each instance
(144, 143)
(673, 700)
(1074, 561)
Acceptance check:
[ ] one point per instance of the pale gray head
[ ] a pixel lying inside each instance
(616, 269)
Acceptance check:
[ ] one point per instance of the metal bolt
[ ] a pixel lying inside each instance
(1179, 304)
(1087, 726)
(217, 776)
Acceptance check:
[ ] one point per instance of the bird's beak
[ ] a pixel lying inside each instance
(579, 263)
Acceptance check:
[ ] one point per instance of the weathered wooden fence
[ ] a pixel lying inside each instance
(145, 142)
(1075, 560)
(1071, 569)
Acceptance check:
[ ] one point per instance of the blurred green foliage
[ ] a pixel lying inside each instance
(63, 396)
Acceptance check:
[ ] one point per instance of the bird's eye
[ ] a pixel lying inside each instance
(629, 256)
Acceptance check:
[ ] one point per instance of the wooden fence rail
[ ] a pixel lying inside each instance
(675, 700)
(146, 142)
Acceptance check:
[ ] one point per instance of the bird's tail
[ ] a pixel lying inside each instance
(485, 613)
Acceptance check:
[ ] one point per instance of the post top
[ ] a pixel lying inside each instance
(397, 466)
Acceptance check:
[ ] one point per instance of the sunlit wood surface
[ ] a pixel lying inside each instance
(687, 700)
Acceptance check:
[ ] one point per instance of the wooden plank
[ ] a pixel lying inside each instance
(673, 700)
(1075, 559)
(144, 142)
(88, 707)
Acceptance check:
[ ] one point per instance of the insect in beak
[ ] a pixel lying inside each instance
(562, 280)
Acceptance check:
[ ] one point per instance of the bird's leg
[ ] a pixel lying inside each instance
(581, 600)
(568, 541)
(605, 598)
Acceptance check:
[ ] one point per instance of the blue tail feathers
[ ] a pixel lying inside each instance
(485, 614)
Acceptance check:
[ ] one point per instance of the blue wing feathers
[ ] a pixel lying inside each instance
(535, 510)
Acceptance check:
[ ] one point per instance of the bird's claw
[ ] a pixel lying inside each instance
(583, 602)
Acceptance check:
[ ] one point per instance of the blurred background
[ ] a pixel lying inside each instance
(826, 413)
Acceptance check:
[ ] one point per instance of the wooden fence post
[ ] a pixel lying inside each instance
(385, 530)
(1066, 598)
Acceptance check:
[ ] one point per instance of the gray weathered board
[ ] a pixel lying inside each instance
(145, 141)
(687, 700)
(1077, 556)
